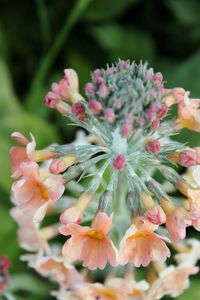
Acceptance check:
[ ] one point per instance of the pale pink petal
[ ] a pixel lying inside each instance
(55, 186)
(30, 170)
(73, 248)
(111, 253)
(102, 222)
(74, 229)
(40, 213)
(31, 147)
(17, 136)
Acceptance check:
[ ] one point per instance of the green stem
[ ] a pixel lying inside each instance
(43, 19)
(50, 57)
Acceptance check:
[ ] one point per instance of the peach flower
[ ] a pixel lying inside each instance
(172, 281)
(55, 268)
(189, 113)
(26, 153)
(141, 245)
(120, 289)
(176, 223)
(29, 235)
(32, 193)
(91, 244)
(21, 154)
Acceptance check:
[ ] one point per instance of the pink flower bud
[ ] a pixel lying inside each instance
(163, 111)
(179, 94)
(90, 88)
(51, 99)
(141, 121)
(72, 214)
(151, 114)
(155, 123)
(126, 130)
(119, 162)
(95, 107)
(156, 215)
(121, 64)
(57, 166)
(188, 158)
(97, 73)
(103, 91)
(153, 146)
(65, 89)
(129, 118)
(72, 78)
(118, 103)
(158, 77)
(78, 110)
(110, 71)
(109, 115)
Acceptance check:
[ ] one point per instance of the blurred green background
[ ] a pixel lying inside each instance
(39, 38)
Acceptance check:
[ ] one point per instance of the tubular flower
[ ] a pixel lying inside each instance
(32, 193)
(164, 285)
(55, 268)
(26, 153)
(189, 113)
(91, 244)
(141, 245)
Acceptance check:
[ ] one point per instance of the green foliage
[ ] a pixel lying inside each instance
(39, 38)
(103, 10)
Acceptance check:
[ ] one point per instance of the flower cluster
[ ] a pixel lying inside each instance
(118, 208)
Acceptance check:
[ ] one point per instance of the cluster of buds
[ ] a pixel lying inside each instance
(4, 278)
(116, 210)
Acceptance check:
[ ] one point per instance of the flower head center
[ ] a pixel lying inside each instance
(140, 234)
(96, 234)
(43, 191)
(108, 293)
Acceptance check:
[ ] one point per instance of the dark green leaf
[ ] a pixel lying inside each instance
(102, 10)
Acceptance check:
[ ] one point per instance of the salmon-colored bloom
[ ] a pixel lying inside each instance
(176, 223)
(56, 268)
(28, 233)
(141, 245)
(26, 153)
(172, 281)
(91, 244)
(120, 289)
(189, 113)
(32, 193)
(156, 215)
(21, 154)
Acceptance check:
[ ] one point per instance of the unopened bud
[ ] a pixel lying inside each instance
(78, 110)
(119, 162)
(90, 88)
(109, 115)
(72, 214)
(126, 130)
(188, 158)
(156, 215)
(163, 111)
(153, 146)
(95, 107)
(59, 165)
(155, 123)
(103, 91)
